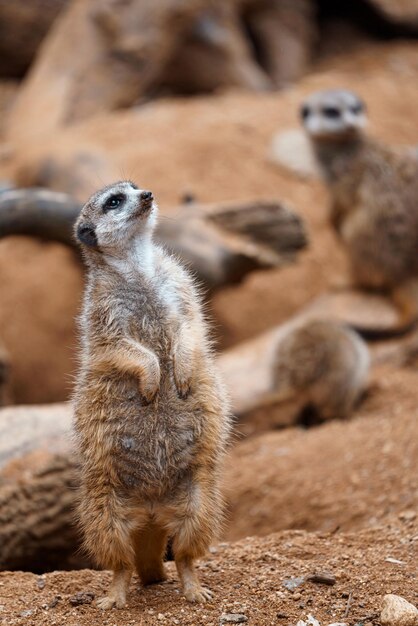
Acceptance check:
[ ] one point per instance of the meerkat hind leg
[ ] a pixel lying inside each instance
(150, 544)
(192, 588)
(116, 596)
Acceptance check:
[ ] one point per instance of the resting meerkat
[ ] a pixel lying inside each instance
(321, 364)
(151, 416)
(374, 194)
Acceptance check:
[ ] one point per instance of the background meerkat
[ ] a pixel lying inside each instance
(323, 365)
(374, 195)
(151, 417)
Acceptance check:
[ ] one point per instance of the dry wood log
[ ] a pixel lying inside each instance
(24, 429)
(221, 243)
(37, 489)
(38, 213)
(37, 531)
(285, 33)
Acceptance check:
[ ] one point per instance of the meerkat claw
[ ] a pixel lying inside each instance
(202, 594)
(108, 602)
(183, 390)
(149, 397)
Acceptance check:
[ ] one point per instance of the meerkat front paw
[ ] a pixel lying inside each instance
(150, 383)
(149, 393)
(110, 601)
(182, 377)
(183, 386)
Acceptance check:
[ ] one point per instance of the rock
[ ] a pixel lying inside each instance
(82, 597)
(292, 583)
(322, 578)
(407, 516)
(396, 611)
(311, 621)
(233, 618)
(291, 149)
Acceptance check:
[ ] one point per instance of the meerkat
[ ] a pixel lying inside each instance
(321, 364)
(151, 414)
(374, 195)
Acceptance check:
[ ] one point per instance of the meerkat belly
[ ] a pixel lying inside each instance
(150, 448)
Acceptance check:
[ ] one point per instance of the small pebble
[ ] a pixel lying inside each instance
(233, 618)
(292, 583)
(26, 613)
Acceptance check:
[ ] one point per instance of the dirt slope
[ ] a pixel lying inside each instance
(346, 475)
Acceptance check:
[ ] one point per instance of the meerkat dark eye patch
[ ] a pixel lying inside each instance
(357, 108)
(114, 202)
(305, 112)
(87, 235)
(331, 112)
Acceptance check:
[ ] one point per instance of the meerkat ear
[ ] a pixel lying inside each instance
(87, 235)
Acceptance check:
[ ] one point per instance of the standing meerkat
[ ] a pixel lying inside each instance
(374, 194)
(151, 416)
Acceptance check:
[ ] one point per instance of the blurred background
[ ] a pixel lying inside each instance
(185, 97)
(198, 101)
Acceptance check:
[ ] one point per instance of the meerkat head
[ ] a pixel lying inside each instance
(336, 115)
(114, 217)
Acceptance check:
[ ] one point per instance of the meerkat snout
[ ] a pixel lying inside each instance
(335, 114)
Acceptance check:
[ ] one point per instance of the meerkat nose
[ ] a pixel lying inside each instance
(146, 195)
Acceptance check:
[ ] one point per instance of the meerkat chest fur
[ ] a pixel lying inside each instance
(150, 446)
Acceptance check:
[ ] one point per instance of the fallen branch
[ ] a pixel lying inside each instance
(221, 243)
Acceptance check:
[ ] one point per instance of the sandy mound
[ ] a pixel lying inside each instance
(342, 475)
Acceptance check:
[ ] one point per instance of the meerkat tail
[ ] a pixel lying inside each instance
(406, 304)
(277, 396)
(150, 545)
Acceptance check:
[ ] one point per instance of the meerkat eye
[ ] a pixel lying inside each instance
(356, 108)
(113, 202)
(305, 112)
(331, 112)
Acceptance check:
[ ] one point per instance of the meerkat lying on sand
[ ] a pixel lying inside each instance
(323, 365)
(151, 415)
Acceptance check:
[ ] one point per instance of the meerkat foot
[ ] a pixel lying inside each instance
(198, 594)
(110, 601)
(192, 589)
(117, 592)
